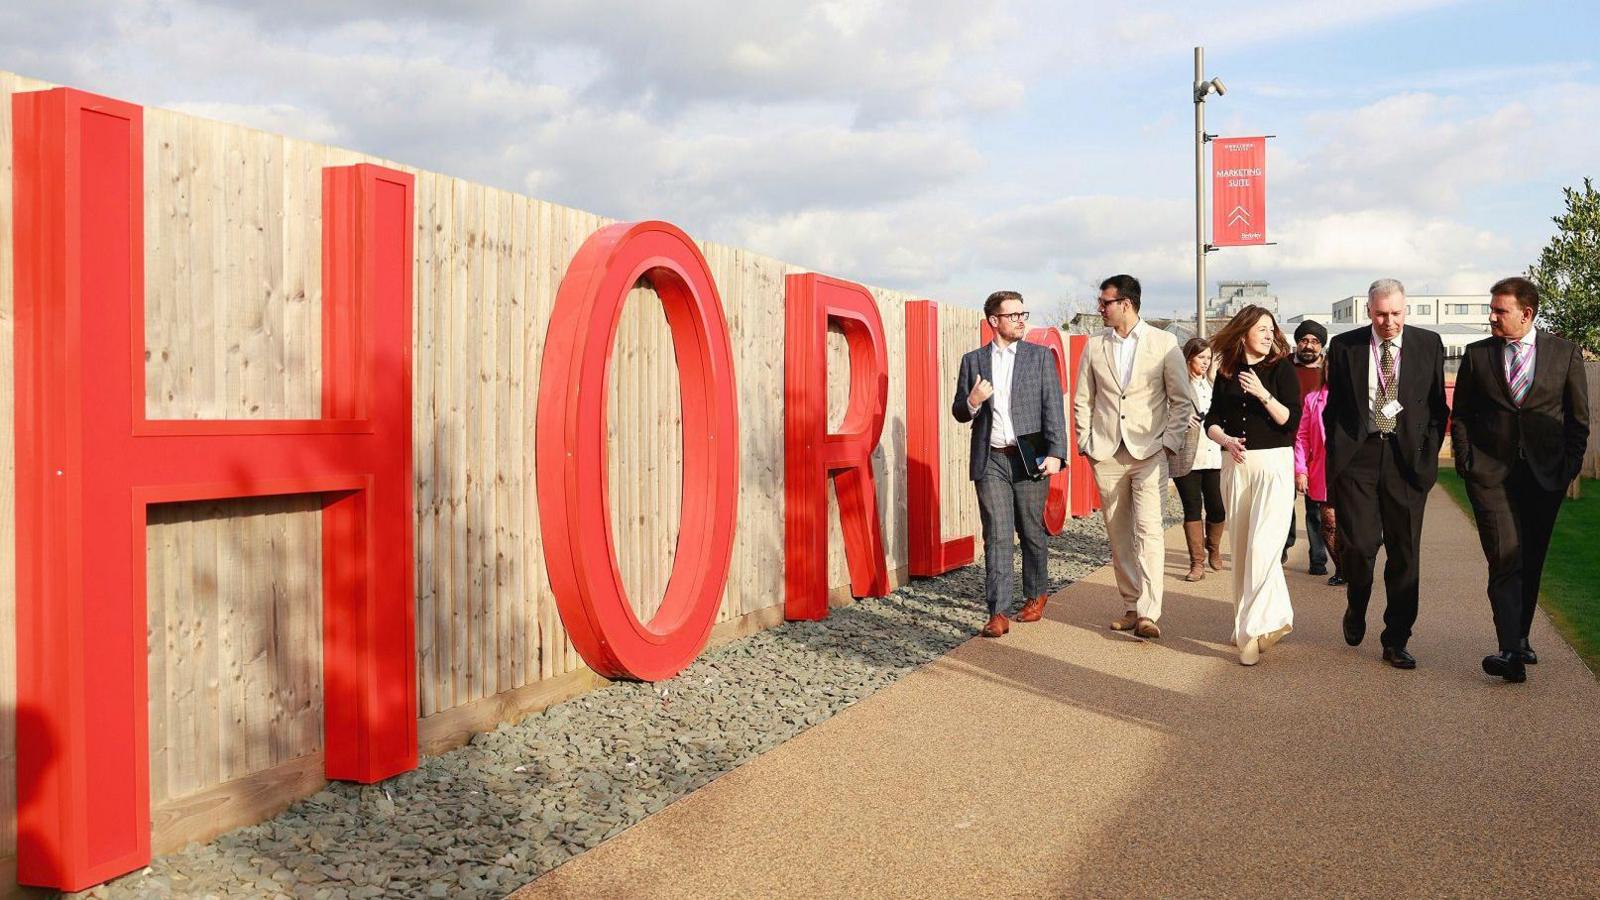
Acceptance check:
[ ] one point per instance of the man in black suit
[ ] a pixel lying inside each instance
(1385, 420)
(1520, 428)
(1008, 389)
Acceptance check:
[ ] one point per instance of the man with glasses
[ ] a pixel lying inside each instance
(1131, 404)
(1008, 389)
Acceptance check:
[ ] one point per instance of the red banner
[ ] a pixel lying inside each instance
(1238, 191)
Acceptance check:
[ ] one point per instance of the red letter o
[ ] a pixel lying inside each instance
(574, 523)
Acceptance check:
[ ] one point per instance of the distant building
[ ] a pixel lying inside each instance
(1459, 319)
(1233, 296)
(1423, 309)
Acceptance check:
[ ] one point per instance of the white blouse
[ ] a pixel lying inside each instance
(1209, 456)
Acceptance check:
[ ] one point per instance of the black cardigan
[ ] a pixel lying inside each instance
(1240, 414)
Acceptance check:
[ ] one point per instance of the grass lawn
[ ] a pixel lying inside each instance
(1570, 592)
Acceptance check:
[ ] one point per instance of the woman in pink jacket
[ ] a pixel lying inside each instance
(1310, 461)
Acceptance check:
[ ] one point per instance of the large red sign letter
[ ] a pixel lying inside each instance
(574, 496)
(1055, 504)
(89, 464)
(1082, 490)
(812, 455)
(930, 553)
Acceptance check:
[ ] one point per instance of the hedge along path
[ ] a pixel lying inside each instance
(1065, 760)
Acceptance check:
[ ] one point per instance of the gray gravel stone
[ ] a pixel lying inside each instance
(518, 801)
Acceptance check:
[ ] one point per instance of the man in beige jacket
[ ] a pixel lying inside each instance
(1131, 406)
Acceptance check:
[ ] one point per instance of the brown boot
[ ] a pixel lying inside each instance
(1194, 534)
(1214, 545)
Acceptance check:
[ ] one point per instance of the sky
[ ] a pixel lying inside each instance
(947, 149)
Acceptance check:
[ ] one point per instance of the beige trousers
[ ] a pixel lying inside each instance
(1259, 494)
(1130, 497)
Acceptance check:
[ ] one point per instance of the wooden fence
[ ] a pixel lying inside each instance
(1591, 456)
(233, 296)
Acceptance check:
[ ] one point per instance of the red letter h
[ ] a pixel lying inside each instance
(89, 464)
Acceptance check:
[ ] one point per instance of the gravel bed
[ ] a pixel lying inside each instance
(485, 819)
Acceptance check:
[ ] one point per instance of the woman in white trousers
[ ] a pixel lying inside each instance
(1254, 416)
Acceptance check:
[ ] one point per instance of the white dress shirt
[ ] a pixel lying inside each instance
(1372, 369)
(1003, 362)
(1209, 454)
(1126, 347)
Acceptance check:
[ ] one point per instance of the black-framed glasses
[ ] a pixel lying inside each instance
(1103, 302)
(1015, 317)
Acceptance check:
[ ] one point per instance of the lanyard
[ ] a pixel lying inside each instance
(1377, 364)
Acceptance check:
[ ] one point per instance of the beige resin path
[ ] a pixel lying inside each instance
(1065, 760)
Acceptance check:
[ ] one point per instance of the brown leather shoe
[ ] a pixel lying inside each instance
(1214, 545)
(997, 626)
(1127, 622)
(1033, 610)
(1146, 628)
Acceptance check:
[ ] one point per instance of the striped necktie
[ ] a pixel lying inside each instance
(1519, 374)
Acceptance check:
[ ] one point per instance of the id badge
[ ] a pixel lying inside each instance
(1392, 409)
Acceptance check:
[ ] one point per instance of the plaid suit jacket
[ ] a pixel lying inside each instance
(1036, 401)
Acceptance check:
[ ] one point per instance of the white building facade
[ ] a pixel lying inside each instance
(1422, 309)
(1233, 296)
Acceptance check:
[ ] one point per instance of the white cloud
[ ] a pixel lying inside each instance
(888, 61)
(921, 244)
(858, 137)
(1431, 152)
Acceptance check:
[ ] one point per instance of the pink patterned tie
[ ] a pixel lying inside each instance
(1520, 378)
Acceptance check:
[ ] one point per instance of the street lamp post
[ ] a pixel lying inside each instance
(1202, 87)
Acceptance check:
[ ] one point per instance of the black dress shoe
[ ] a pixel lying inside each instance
(1526, 654)
(1506, 664)
(1355, 627)
(1317, 570)
(1400, 658)
(1335, 579)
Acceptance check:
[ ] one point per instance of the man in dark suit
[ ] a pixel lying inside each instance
(1385, 420)
(1520, 428)
(1008, 389)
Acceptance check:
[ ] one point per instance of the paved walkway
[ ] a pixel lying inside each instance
(1066, 760)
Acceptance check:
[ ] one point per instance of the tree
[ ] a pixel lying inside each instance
(1568, 271)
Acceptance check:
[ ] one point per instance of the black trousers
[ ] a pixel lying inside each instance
(1010, 503)
(1201, 487)
(1378, 506)
(1319, 550)
(1516, 539)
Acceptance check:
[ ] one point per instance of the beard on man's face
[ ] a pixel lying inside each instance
(1307, 357)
